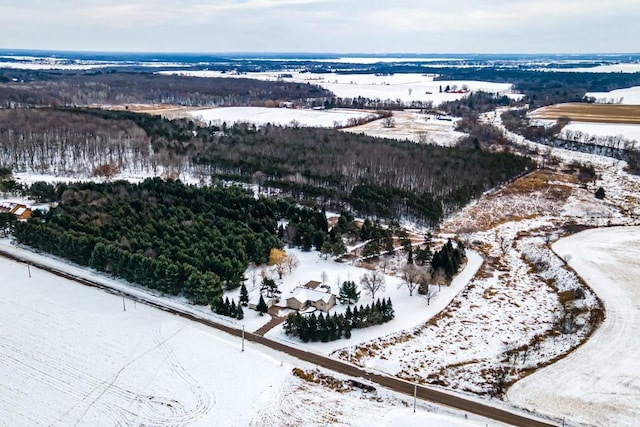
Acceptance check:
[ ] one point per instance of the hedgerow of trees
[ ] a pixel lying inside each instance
(327, 328)
(113, 87)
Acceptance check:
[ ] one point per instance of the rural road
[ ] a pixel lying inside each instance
(396, 384)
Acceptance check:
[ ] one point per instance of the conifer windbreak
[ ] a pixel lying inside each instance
(164, 235)
(326, 327)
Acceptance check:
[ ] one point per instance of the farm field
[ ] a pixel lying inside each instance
(280, 116)
(581, 131)
(597, 384)
(404, 87)
(626, 96)
(413, 126)
(583, 112)
(70, 355)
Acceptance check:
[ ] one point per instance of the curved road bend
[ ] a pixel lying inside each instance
(396, 384)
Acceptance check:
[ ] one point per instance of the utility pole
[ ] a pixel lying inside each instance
(29, 269)
(242, 337)
(415, 396)
(124, 307)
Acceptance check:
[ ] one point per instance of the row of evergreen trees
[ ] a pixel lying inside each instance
(228, 308)
(330, 328)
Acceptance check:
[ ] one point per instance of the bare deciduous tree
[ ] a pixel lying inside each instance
(504, 244)
(412, 274)
(373, 283)
(324, 277)
(429, 292)
(291, 262)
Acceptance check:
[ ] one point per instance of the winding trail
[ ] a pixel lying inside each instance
(512, 417)
(598, 383)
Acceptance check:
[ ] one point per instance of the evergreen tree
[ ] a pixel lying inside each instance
(226, 309)
(244, 295)
(239, 312)
(349, 293)
(262, 306)
(233, 311)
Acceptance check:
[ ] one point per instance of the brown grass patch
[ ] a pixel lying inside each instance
(583, 112)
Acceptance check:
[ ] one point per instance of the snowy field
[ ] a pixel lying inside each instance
(70, 355)
(598, 384)
(629, 96)
(280, 116)
(609, 68)
(403, 87)
(413, 126)
(582, 131)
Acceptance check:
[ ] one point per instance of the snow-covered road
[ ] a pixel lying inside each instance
(599, 383)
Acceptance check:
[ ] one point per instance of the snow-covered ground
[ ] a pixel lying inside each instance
(410, 311)
(280, 116)
(582, 131)
(413, 126)
(629, 96)
(609, 68)
(597, 384)
(70, 355)
(404, 87)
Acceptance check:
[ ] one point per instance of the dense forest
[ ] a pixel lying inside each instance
(165, 235)
(374, 176)
(97, 87)
(338, 170)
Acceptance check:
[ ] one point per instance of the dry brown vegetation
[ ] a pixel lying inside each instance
(583, 112)
(532, 195)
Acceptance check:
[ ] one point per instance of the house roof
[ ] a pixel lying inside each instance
(303, 295)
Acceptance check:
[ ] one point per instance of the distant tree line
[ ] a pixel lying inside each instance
(337, 170)
(51, 88)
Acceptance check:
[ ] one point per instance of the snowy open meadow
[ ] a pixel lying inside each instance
(280, 116)
(627, 96)
(406, 88)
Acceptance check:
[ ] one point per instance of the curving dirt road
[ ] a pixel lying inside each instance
(425, 393)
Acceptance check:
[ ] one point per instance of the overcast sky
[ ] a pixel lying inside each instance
(371, 26)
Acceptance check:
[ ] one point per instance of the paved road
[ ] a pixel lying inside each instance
(396, 384)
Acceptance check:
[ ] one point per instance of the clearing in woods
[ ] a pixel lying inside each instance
(598, 113)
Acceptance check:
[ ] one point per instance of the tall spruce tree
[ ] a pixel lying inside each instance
(244, 295)
(262, 306)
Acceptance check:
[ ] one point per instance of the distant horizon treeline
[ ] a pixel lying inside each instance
(55, 88)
